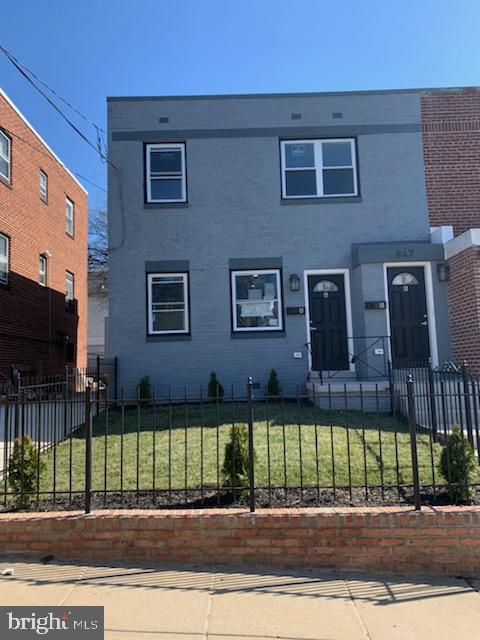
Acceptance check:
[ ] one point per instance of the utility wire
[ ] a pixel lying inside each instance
(97, 148)
(57, 109)
(24, 66)
(48, 155)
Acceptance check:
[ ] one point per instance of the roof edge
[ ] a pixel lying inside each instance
(229, 96)
(35, 132)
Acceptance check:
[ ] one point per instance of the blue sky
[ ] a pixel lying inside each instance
(94, 48)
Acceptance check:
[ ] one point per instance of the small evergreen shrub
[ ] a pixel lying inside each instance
(459, 466)
(273, 386)
(23, 467)
(235, 463)
(145, 388)
(215, 389)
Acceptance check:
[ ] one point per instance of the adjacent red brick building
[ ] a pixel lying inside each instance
(451, 137)
(43, 253)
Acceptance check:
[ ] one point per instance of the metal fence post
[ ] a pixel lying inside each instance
(412, 425)
(98, 385)
(88, 448)
(115, 379)
(251, 449)
(466, 399)
(433, 406)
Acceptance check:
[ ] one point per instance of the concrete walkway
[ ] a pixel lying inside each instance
(226, 604)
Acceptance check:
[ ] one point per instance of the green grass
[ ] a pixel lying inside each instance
(294, 429)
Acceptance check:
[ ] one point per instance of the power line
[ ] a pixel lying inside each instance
(24, 66)
(90, 181)
(48, 155)
(98, 148)
(57, 109)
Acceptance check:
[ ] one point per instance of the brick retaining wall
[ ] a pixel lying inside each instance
(444, 540)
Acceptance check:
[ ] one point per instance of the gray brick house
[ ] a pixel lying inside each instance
(254, 232)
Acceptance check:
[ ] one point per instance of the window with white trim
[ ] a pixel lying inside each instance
(42, 270)
(5, 156)
(70, 216)
(166, 176)
(69, 287)
(167, 303)
(43, 186)
(4, 258)
(319, 168)
(257, 300)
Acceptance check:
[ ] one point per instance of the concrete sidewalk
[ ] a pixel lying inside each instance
(161, 602)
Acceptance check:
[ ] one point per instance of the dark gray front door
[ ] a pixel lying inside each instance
(328, 323)
(408, 316)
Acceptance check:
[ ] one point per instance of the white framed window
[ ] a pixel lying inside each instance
(257, 300)
(43, 186)
(42, 270)
(70, 216)
(5, 156)
(166, 175)
(167, 303)
(69, 287)
(319, 168)
(4, 258)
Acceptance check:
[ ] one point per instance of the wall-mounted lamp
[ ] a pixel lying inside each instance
(294, 282)
(443, 272)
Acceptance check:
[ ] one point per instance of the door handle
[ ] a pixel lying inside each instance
(424, 323)
(313, 328)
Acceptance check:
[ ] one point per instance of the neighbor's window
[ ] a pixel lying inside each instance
(167, 303)
(318, 168)
(5, 151)
(257, 300)
(42, 270)
(70, 216)
(4, 245)
(166, 181)
(69, 286)
(43, 186)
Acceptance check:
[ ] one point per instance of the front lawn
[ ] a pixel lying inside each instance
(298, 445)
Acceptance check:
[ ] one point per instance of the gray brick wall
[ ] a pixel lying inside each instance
(235, 210)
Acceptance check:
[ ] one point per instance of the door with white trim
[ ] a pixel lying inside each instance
(328, 322)
(408, 316)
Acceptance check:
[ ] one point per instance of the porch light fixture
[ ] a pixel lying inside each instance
(443, 272)
(294, 282)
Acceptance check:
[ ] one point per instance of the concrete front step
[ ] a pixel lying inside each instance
(346, 394)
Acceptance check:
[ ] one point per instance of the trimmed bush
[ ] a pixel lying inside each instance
(273, 386)
(145, 388)
(23, 467)
(459, 466)
(215, 389)
(235, 463)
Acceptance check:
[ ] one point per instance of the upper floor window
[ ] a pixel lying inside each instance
(42, 270)
(257, 300)
(319, 168)
(168, 303)
(43, 186)
(70, 215)
(5, 153)
(166, 176)
(4, 258)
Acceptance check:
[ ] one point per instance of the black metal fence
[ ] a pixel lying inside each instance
(349, 443)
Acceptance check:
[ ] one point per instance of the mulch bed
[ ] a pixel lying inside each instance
(309, 497)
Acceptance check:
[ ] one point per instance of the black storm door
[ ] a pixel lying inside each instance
(328, 323)
(408, 316)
